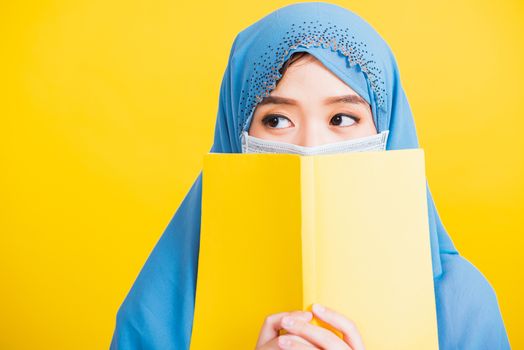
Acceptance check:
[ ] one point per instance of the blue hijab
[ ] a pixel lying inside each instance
(158, 310)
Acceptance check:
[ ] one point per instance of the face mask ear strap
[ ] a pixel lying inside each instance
(243, 141)
(386, 137)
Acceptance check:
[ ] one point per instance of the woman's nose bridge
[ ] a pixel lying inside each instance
(310, 133)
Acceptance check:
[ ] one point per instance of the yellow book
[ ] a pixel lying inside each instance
(349, 231)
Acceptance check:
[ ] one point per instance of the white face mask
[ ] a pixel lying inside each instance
(251, 144)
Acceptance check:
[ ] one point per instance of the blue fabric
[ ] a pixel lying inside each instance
(158, 310)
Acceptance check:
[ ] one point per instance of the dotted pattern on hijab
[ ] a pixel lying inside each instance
(309, 34)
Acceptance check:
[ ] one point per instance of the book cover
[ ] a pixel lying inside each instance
(280, 232)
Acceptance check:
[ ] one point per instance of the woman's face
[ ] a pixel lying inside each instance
(307, 109)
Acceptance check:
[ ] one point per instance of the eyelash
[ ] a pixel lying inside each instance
(268, 118)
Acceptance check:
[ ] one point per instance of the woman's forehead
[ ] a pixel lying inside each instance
(308, 81)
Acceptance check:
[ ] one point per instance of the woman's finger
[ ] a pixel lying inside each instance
(319, 336)
(342, 323)
(291, 341)
(271, 325)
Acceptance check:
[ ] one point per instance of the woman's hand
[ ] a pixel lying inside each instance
(304, 335)
(322, 337)
(269, 338)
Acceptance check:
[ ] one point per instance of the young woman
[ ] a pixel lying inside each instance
(311, 106)
(345, 89)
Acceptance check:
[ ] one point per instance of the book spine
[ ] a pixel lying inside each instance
(308, 231)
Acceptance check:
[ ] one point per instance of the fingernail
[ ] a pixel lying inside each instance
(285, 343)
(288, 321)
(318, 308)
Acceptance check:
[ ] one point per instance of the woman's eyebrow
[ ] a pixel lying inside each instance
(278, 100)
(355, 99)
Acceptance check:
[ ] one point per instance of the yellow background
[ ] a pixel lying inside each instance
(107, 108)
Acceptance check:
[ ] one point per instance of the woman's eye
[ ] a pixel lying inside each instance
(343, 120)
(276, 121)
